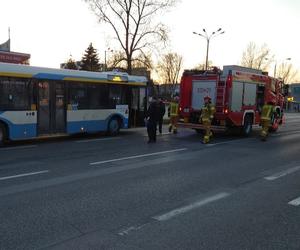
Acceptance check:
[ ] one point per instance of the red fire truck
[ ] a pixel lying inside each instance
(238, 94)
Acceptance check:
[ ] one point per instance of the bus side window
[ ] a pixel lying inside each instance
(14, 94)
(98, 96)
(78, 96)
(116, 96)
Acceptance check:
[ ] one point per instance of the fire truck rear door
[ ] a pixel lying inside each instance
(202, 88)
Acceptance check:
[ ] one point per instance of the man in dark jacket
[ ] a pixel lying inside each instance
(162, 111)
(151, 120)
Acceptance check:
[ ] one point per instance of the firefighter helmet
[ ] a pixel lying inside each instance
(207, 98)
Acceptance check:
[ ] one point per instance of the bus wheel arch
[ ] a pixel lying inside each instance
(3, 133)
(114, 125)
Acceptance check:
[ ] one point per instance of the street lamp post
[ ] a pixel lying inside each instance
(208, 37)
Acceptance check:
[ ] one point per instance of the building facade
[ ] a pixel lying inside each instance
(293, 100)
(8, 56)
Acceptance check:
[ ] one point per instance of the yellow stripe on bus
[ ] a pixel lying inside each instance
(102, 81)
(23, 75)
(84, 80)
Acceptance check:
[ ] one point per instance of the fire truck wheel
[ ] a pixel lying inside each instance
(247, 127)
(274, 126)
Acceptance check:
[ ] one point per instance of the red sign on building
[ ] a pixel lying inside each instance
(14, 57)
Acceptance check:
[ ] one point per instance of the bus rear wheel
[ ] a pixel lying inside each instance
(114, 126)
(3, 135)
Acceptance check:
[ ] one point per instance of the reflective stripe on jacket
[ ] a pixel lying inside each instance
(173, 109)
(267, 112)
(207, 112)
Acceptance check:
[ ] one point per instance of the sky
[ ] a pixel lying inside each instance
(52, 30)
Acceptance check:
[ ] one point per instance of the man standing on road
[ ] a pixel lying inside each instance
(162, 111)
(151, 120)
(207, 114)
(265, 119)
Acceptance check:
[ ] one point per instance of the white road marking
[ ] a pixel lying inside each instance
(190, 207)
(282, 173)
(229, 141)
(295, 202)
(165, 133)
(22, 175)
(285, 133)
(158, 134)
(99, 139)
(126, 231)
(18, 147)
(138, 156)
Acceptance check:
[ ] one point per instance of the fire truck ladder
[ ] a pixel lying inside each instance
(220, 99)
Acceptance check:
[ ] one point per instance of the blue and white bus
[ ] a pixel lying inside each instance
(38, 102)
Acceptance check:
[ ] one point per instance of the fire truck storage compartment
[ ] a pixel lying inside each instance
(260, 97)
(247, 98)
(249, 94)
(236, 97)
(200, 90)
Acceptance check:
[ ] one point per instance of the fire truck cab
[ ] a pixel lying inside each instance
(238, 94)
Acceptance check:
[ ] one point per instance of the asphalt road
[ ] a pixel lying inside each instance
(99, 192)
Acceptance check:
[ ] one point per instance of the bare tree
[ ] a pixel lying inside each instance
(286, 72)
(257, 57)
(201, 66)
(116, 60)
(169, 69)
(141, 61)
(133, 24)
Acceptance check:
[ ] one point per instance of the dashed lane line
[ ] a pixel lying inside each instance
(282, 173)
(23, 175)
(230, 141)
(126, 231)
(295, 202)
(165, 133)
(18, 147)
(185, 209)
(137, 156)
(99, 139)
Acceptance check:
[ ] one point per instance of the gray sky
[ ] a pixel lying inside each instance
(51, 30)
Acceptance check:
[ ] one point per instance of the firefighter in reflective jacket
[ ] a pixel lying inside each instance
(207, 114)
(266, 119)
(173, 114)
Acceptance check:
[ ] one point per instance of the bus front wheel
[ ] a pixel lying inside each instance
(3, 134)
(114, 126)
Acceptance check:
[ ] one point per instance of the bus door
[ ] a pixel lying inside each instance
(137, 106)
(134, 107)
(51, 108)
(59, 110)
